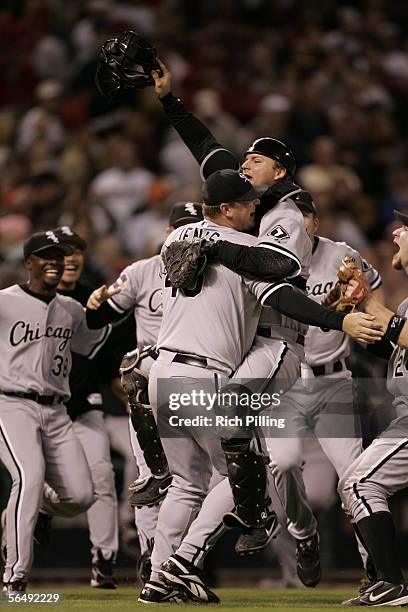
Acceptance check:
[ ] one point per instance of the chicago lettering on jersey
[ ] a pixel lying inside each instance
(320, 288)
(156, 300)
(22, 332)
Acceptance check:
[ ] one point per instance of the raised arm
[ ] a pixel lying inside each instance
(209, 153)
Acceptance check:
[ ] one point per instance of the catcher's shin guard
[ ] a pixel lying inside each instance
(135, 384)
(148, 437)
(248, 480)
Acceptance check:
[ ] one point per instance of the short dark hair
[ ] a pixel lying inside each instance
(213, 211)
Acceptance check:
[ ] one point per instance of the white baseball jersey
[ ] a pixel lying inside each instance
(141, 289)
(218, 318)
(323, 347)
(282, 230)
(37, 338)
(397, 375)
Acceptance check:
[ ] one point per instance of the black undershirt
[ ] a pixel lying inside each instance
(40, 296)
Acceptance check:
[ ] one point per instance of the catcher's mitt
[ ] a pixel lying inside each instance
(125, 63)
(336, 298)
(184, 261)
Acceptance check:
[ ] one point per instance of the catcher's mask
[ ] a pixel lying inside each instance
(125, 63)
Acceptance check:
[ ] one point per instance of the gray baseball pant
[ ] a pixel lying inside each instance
(37, 443)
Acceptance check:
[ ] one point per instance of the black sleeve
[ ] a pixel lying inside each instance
(209, 153)
(104, 315)
(295, 304)
(255, 262)
(383, 348)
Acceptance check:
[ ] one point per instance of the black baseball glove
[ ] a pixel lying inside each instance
(125, 63)
(184, 261)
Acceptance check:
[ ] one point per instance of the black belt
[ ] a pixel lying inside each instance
(47, 400)
(193, 360)
(320, 370)
(153, 353)
(266, 332)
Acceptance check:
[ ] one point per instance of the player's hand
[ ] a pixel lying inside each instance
(363, 327)
(101, 295)
(162, 84)
(352, 285)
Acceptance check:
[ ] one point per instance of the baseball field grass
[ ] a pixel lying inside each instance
(125, 600)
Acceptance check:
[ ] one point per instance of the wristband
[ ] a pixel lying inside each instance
(394, 328)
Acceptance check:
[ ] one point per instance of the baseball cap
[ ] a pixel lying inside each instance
(44, 240)
(304, 201)
(401, 217)
(68, 236)
(229, 186)
(185, 212)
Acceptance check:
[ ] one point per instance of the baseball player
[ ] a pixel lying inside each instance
(228, 308)
(86, 411)
(140, 287)
(382, 469)
(282, 251)
(323, 398)
(39, 330)
(188, 490)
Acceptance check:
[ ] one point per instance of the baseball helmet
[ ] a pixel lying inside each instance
(125, 63)
(275, 149)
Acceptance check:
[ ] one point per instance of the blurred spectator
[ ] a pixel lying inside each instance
(42, 121)
(144, 231)
(121, 189)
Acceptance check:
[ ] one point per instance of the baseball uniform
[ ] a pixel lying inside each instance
(381, 470)
(38, 334)
(141, 291)
(85, 408)
(205, 333)
(323, 400)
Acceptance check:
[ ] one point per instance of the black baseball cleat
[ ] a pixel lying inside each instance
(156, 593)
(369, 578)
(3, 543)
(178, 573)
(149, 491)
(254, 539)
(231, 520)
(42, 529)
(144, 566)
(381, 594)
(102, 571)
(18, 587)
(308, 561)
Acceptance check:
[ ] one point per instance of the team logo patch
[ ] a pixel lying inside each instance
(279, 233)
(121, 281)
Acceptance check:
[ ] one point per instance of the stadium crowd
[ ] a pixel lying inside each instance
(328, 78)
